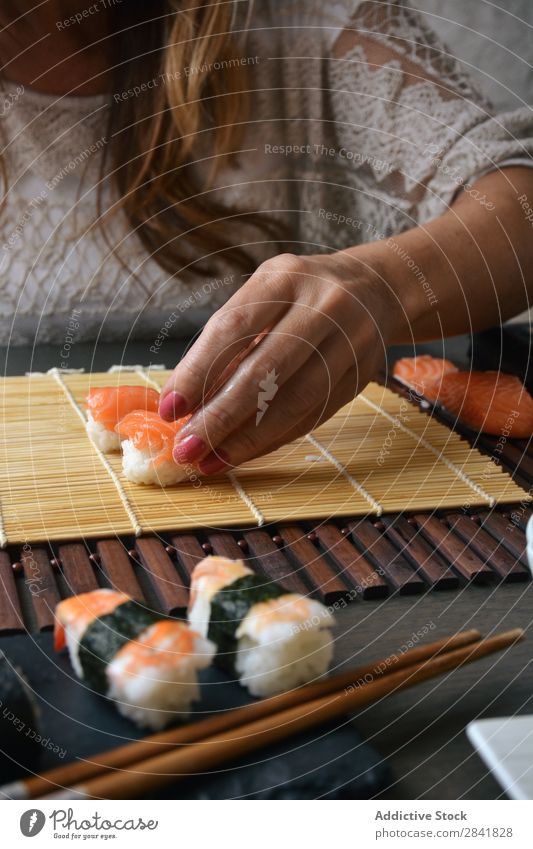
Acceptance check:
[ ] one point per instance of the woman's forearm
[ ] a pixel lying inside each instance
(467, 270)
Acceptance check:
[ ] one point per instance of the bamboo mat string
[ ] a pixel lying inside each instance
(137, 528)
(141, 371)
(429, 447)
(246, 498)
(346, 474)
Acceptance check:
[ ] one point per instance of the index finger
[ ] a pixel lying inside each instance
(225, 339)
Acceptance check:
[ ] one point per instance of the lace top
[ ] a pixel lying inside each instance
(362, 126)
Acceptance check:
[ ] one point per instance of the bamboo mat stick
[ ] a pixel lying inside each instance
(218, 749)
(78, 771)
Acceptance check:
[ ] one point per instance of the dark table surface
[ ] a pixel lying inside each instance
(421, 732)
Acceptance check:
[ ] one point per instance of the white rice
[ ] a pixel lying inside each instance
(155, 694)
(138, 467)
(106, 440)
(275, 656)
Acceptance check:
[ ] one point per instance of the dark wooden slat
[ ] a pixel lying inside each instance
(422, 555)
(224, 545)
(328, 584)
(77, 569)
(502, 529)
(11, 620)
(116, 565)
(351, 563)
(189, 551)
(163, 576)
(387, 560)
(273, 562)
(462, 559)
(489, 550)
(41, 586)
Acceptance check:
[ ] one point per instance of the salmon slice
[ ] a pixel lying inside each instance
(486, 401)
(109, 404)
(149, 432)
(419, 372)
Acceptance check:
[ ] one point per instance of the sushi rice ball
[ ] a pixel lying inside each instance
(272, 640)
(146, 663)
(107, 405)
(147, 443)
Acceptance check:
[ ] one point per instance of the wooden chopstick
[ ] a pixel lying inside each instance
(122, 756)
(212, 751)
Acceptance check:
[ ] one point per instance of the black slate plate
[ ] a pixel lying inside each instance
(76, 723)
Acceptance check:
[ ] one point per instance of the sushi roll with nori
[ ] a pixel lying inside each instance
(19, 748)
(145, 662)
(147, 443)
(272, 640)
(107, 405)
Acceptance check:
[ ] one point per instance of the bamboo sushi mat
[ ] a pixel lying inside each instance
(378, 454)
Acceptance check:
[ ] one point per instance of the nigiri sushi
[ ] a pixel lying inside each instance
(147, 443)
(107, 405)
(272, 640)
(145, 662)
(422, 371)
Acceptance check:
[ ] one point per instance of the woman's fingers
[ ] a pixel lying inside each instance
(252, 441)
(259, 304)
(255, 383)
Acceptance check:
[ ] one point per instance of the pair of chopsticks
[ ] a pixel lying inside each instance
(141, 767)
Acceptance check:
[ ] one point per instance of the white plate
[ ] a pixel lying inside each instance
(506, 746)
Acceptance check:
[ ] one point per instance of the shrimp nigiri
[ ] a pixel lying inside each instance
(147, 443)
(107, 405)
(148, 664)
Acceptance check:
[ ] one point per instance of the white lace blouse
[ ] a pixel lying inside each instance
(362, 126)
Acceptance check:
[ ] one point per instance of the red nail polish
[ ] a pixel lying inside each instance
(214, 463)
(189, 449)
(172, 407)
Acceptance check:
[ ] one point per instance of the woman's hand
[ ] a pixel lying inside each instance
(300, 338)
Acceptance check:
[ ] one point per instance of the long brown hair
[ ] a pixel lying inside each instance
(155, 136)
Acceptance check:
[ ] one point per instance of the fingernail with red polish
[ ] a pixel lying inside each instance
(189, 449)
(214, 463)
(173, 406)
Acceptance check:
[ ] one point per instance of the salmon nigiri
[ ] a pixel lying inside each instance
(419, 372)
(147, 443)
(107, 405)
(486, 401)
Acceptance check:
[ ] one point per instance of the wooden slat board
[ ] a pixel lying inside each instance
(376, 454)
(353, 560)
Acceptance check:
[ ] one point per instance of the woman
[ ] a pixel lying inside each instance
(319, 178)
